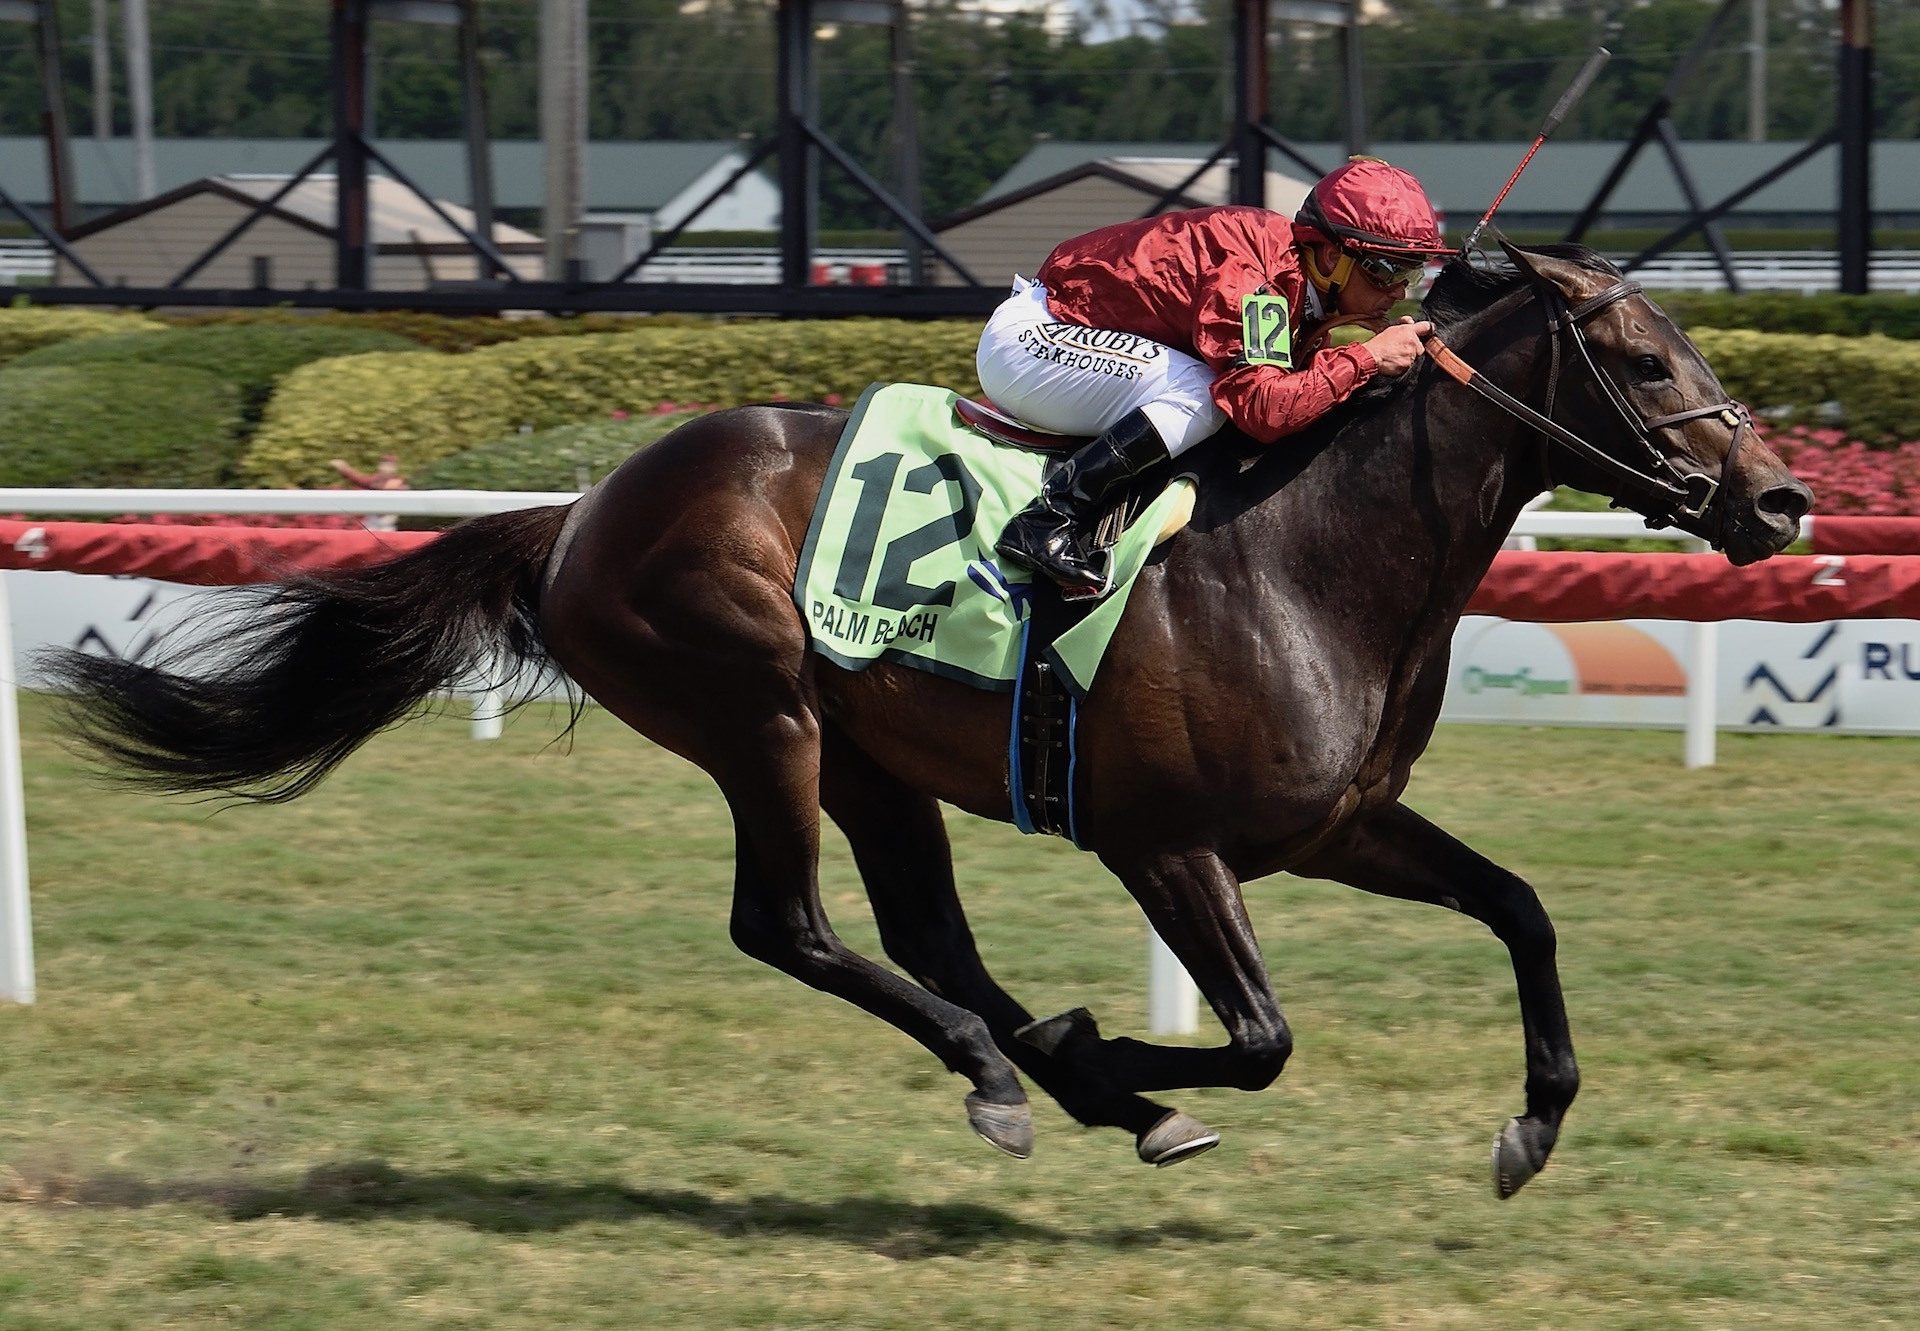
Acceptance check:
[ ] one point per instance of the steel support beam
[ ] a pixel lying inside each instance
(1732, 201)
(476, 241)
(473, 115)
(1353, 80)
(1856, 144)
(753, 159)
(1657, 123)
(41, 228)
(563, 131)
(799, 159)
(254, 214)
(53, 114)
(906, 141)
(352, 245)
(1249, 102)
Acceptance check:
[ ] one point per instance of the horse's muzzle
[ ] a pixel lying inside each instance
(1768, 524)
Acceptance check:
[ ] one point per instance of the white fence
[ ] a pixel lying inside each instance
(25, 258)
(1788, 270)
(759, 266)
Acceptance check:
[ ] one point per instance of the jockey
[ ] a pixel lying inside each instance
(1151, 334)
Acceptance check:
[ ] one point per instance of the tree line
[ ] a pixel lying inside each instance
(985, 92)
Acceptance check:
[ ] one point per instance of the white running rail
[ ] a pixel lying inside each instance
(25, 258)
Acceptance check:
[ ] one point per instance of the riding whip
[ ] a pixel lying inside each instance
(1575, 90)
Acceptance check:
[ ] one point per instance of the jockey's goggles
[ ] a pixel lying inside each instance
(1388, 270)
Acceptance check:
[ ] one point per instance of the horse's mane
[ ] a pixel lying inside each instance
(1465, 289)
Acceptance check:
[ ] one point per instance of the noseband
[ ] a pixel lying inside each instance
(1650, 484)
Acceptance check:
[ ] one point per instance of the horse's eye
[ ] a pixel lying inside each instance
(1650, 369)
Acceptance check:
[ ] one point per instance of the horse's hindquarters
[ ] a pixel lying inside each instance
(669, 599)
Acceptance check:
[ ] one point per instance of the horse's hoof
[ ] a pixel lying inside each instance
(1008, 1127)
(1519, 1152)
(1050, 1034)
(1174, 1138)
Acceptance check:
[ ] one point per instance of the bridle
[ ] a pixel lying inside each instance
(1655, 488)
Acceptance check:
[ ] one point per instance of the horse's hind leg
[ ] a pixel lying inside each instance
(778, 918)
(1397, 853)
(1193, 901)
(900, 843)
(716, 669)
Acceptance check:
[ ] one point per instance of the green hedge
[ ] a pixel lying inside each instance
(568, 457)
(1789, 312)
(117, 425)
(424, 407)
(26, 327)
(441, 332)
(1876, 380)
(251, 357)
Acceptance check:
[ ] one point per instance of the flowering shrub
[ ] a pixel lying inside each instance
(1847, 476)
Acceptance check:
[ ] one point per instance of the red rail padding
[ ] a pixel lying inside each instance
(202, 556)
(1571, 587)
(1866, 536)
(1560, 587)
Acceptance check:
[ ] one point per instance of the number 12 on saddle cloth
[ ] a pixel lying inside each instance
(898, 563)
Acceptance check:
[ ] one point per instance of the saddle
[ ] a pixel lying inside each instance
(984, 418)
(987, 419)
(1045, 709)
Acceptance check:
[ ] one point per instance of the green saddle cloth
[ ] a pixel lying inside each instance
(899, 563)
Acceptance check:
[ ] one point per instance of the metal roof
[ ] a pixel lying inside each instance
(620, 176)
(396, 216)
(1149, 175)
(1464, 177)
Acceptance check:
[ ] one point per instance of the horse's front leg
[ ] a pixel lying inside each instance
(1397, 853)
(1193, 901)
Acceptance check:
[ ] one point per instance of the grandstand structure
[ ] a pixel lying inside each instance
(799, 151)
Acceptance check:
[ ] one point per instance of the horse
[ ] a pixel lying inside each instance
(1278, 670)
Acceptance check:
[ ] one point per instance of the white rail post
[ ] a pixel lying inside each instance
(1703, 692)
(1703, 686)
(16, 916)
(489, 704)
(1173, 1001)
(487, 707)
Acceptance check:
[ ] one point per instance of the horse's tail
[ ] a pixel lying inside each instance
(313, 666)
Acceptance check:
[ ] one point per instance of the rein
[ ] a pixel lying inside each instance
(1661, 493)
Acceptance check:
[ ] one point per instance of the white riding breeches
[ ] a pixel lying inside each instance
(1077, 380)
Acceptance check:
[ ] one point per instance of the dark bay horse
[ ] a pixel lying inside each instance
(1276, 674)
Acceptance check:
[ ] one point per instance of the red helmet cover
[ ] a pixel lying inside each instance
(1374, 206)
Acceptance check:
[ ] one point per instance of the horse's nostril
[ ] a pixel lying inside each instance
(1789, 501)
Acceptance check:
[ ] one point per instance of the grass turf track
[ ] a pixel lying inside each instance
(459, 1041)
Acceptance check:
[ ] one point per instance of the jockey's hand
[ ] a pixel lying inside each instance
(1398, 346)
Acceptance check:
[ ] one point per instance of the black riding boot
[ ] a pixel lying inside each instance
(1053, 535)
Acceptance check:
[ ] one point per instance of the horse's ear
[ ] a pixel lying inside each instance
(1520, 259)
(1573, 280)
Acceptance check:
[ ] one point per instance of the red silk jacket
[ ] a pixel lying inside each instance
(1222, 284)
